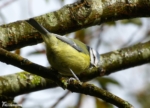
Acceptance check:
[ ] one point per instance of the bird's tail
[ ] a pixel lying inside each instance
(49, 38)
(37, 26)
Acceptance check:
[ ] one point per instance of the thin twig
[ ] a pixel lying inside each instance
(60, 99)
(6, 3)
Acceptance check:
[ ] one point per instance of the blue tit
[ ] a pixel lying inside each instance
(67, 56)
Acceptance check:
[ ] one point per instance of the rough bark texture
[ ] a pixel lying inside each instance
(71, 18)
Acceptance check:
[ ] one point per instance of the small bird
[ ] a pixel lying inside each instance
(67, 56)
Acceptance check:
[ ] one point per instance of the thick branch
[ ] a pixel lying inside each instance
(110, 62)
(23, 82)
(120, 59)
(126, 58)
(71, 18)
(75, 86)
(18, 61)
(92, 90)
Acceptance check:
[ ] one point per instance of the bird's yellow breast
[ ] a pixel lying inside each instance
(63, 56)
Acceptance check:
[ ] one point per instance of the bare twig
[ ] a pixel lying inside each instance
(7, 3)
(60, 99)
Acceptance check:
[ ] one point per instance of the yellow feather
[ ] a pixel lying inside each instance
(63, 56)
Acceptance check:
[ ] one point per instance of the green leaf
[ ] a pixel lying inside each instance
(136, 21)
(101, 104)
(105, 81)
(111, 23)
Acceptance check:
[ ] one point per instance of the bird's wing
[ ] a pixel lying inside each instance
(70, 42)
(94, 57)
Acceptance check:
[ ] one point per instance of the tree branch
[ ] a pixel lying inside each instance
(16, 60)
(23, 82)
(60, 99)
(120, 59)
(110, 62)
(71, 18)
(92, 90)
